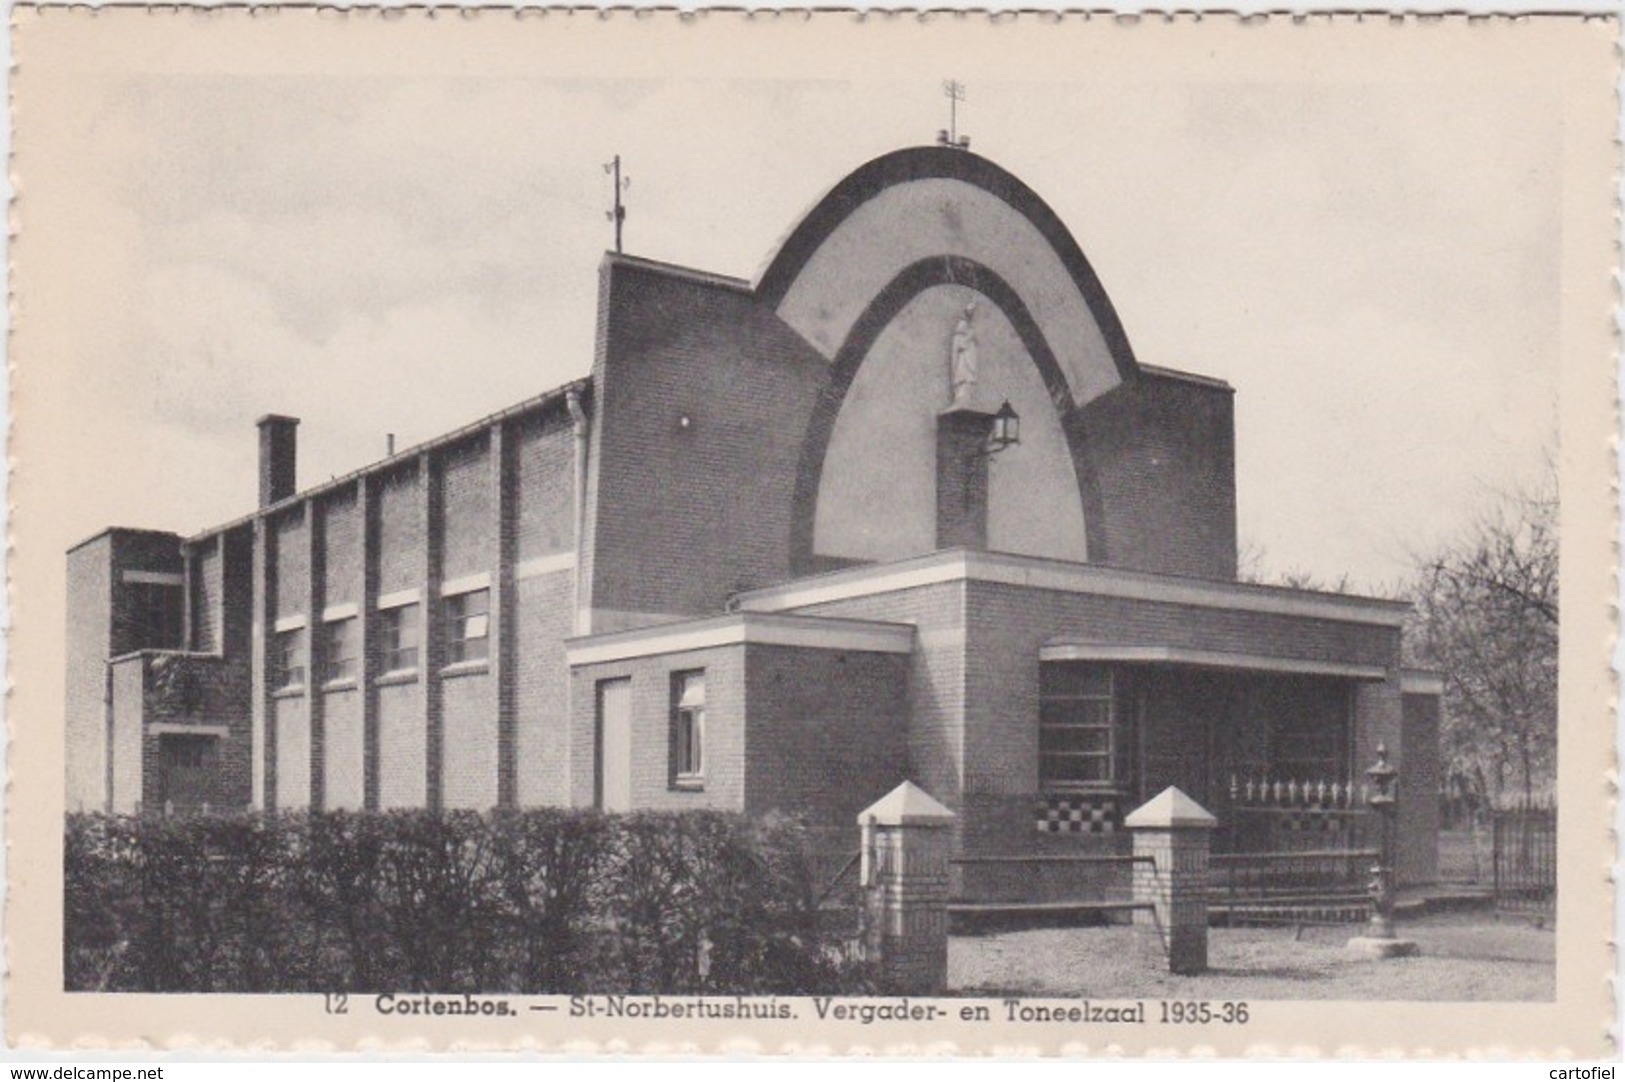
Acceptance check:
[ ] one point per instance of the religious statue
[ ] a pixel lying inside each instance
(962, 357)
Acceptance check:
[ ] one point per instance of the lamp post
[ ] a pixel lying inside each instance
(1381, 799)
(1379, 940)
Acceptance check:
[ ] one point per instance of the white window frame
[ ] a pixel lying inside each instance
(392, 652)
(466, 629)
(688, 728)
(1111, 727)
(351, 660)
(288, 670)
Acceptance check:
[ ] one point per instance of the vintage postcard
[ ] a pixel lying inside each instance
(810, 532)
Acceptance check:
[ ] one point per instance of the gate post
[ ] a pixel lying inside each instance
(907, 842)
(1172, 835)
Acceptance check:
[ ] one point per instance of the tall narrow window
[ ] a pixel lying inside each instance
(688, 729)
(398, 635)
(1077, 727)
(339, 651)
(468, 626)
(289, 670)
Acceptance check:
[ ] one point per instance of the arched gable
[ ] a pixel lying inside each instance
(931, 202)
(867, 330)
(898, 227)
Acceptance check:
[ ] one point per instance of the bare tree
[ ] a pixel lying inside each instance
(1487, 616)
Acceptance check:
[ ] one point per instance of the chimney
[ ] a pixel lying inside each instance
(279, 451)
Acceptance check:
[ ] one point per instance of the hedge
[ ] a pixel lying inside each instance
(535, 901)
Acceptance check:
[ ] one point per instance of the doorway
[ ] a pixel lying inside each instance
(612, 741)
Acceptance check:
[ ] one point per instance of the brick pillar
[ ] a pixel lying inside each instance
(907, 841)
(1171, 838)
(962, 478)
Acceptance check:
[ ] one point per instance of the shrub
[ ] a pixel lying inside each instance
(542, 900)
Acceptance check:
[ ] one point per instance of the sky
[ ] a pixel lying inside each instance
(1371, 258)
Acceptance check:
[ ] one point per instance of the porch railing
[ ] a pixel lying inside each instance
(1263, 815)
(1290, 850)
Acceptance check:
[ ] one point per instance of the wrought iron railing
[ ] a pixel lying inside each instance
(1525, 856)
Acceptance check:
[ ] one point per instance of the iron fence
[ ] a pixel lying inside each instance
(1525, 856)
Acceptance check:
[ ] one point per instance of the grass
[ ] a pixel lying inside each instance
(1465, 957)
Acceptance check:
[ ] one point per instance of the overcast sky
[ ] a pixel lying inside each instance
(1373, 262)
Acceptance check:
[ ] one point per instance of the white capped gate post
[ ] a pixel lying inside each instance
(907, 843)
(1172, 835)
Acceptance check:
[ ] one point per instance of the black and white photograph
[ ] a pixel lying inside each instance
(551, 526)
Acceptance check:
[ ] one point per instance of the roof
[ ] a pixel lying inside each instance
(674, 270)
(954, 564)
(108, 531)
(528, 405)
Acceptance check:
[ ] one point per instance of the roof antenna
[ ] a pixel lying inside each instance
(954, 91)
(389, 445)
(618, 214)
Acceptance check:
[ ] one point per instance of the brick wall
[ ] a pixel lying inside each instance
(936, 683)
(129, 689)
(722, 486)
(1162, 451)
(651, 762)
(341, 549)
(343, 750)
(469, 743)
(402, 533)
(1419, 788)
(826, 735)
(89, 624)
(205, 598)
(291, 716)
(291, 578)
(468, 503)
(544, 483)
(108, 617)
(541, 620)
(402, 747)
(131, 623)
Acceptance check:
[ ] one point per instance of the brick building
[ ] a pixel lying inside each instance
(771, 554)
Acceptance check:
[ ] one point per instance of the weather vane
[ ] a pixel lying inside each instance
(954, 91)
(618, 213)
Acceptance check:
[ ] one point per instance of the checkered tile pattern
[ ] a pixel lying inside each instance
(1312, 821)
(1078, 815)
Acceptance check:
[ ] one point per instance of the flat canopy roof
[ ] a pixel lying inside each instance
(951, 565)
(1075, 650)
(743, 629)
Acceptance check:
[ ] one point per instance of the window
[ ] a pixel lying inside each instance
(468, 626)
(189, 752)
(398, 632)
(1077, 728)
(289, 671)
(154, 615)
(339, 651)
(688, 729)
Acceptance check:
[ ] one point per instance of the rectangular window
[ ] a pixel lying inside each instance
(1077, 727)
(688, 729)
(339, 651)
(468, 626)
(398, 635)
(153, 616)
(289, 670)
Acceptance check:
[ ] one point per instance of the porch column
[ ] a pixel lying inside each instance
(1172, 834)
(906, 844)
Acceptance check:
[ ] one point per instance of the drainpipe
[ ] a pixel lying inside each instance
(578, 416)
(107, 734)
